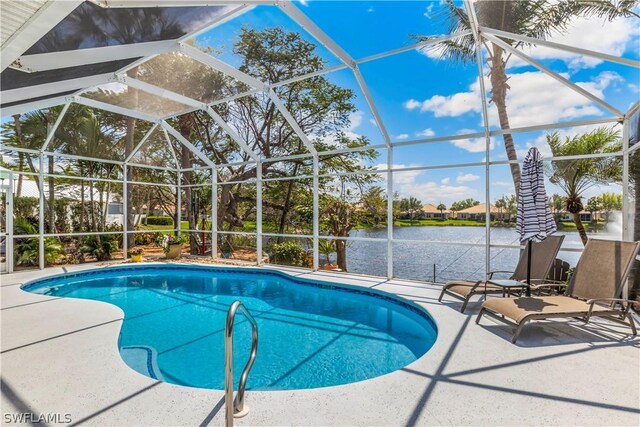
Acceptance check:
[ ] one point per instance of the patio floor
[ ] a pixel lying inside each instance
(60, 356)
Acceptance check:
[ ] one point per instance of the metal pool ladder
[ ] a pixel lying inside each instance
(235, 408)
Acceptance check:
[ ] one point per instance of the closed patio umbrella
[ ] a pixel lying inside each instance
(534, 220)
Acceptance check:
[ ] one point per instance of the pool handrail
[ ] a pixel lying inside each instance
(235, 408)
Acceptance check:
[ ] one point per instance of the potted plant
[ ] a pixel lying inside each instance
(226, 250)
(172, 246)
(136, 254)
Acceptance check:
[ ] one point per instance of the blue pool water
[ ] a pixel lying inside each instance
(311, 334)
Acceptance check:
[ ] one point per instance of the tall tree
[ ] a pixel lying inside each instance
(533, 18)
(576, 176)
(411, 206)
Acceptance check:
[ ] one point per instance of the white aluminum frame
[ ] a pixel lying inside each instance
(34, 63)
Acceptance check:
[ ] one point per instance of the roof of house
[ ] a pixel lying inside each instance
(479, 209)
(431, 208)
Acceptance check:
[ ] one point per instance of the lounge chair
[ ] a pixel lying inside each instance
(594, 290)
(543, 256)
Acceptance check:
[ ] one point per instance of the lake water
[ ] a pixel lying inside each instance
(452, 261)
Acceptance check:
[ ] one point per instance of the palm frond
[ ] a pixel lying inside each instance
(542, 18)
(460, 50)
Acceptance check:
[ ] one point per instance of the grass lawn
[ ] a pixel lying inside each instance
(184, 225)
(570, 225)
(440, 223)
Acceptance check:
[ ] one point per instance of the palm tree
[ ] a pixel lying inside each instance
(441, 207)
(533, 18)
(412, 206)
(576, 176)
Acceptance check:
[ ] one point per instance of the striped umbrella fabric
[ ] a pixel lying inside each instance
(534, 220)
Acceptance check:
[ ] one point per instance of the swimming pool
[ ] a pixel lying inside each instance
(312, 334)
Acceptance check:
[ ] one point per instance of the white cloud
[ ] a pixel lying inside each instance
(503, 183)
(467, 177)
(634, 87)
(402, 136)
(426, 133)
(473, 145)
(373, 122)
(371, 10)
(427, 12)
(355, 120)
(409, 184)
(447, 106)
(304, 2)
(411, 104)
(613, 38)
(534, 98)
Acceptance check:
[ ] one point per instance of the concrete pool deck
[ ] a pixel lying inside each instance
(60, 356)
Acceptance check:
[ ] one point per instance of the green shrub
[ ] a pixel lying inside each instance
(148, 238)
(288, 253)
(101, 246)
(26, 207)
(159, 220)
(27, 250)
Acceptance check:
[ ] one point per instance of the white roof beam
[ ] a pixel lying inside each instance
(141, 143)
(292, 122)
(171, 148)
(47, 17)
(184, 141)
(51, 132)
(176, 3)
(225, 17)
(29, 92)
(34, 105)
(301, 19)
(372, 105)
(232, 133)
(223, 67)
(307, 24)
(414, 46)
(158, 91)
(155, 90)
(563, 47)
(227, 69)
(115, 109)
(552, 74)
(79, 57)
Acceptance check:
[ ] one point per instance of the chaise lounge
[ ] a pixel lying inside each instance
(594, 290)
(543, 256)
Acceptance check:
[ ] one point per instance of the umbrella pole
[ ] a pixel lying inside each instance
(529, 269)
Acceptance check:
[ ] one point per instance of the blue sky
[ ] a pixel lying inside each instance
(419, 95)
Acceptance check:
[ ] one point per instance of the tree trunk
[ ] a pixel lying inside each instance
(285, 209)
(580, 227)
(499, 89)
(20, 168)
(341, 254)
